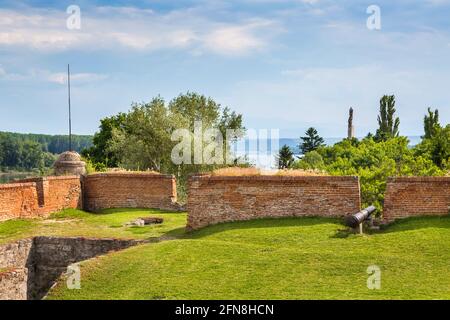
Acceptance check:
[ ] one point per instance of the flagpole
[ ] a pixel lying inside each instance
(70, 111)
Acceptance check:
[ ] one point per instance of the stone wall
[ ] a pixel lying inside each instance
(216, 199)
(129, 190)
(13, 284)
(38, 197)
(30, 267)
(15, 254)
(416, 196)
(15, 264)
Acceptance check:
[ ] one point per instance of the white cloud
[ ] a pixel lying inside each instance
(47, 76)
(132, 28)
(76, 78)
(322, 96)
(237, 39)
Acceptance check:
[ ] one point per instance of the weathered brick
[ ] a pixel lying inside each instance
(216, 199)
(130, 190)
(416, 196)
(38, 197)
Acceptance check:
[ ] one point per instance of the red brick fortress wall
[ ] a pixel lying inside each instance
(416, 196)
(38, 197)
(129, 190)
(18, 200)
(216, 199)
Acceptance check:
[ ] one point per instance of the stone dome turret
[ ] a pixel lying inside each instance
(69, 163)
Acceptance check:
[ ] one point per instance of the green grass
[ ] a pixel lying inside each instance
(302, 258)
(108, 224)
(14, 228)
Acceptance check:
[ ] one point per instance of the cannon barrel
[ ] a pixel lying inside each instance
(355, 219)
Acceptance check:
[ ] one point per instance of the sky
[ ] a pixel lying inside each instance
(283, 64)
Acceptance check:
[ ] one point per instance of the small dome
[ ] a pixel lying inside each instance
(69, 163)
(69, 156)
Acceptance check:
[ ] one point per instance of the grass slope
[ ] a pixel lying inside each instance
(303, 258)
(108, 224)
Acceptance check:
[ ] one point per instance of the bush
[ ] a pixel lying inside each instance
(311, 160)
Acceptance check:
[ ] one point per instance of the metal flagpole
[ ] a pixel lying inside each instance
(70, 111)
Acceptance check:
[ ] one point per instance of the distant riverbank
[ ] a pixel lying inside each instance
(6, 177)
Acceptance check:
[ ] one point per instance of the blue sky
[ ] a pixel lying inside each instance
(286, 64)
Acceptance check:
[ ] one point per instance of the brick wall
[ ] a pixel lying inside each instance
(215, 199)
(62, 193)
(130, 190)
(38, 197)
(416, 196)
(18, 200)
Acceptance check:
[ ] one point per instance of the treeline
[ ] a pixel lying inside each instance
(28, 152)
(55, 144)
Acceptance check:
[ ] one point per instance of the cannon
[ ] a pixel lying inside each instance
(356, 219)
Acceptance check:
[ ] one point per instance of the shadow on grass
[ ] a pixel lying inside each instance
(416, 223)
(412, 223)
(125, 210)
(76, 213)
(261, 223)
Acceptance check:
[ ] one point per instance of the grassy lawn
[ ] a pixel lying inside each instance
(303, 258)
(108, 224)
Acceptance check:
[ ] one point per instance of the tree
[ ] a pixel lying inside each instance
(32, 156)
(143, 140)
(431, 124)
(312, 141)
(99, 153)
(311, 160)
(440, 152)
(387, 122)
(11, 151)
(285, 157)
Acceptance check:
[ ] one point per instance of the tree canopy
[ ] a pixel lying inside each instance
(387, 122)
(311, 141)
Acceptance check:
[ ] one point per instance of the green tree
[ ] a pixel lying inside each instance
(431, 124)
(285, 157)
(387, 122)
(10, 150)
(312, 141)
(311, 160)
(143, 140)
(31, 155)
(99, 153)
(435, 143)
(440, 147)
